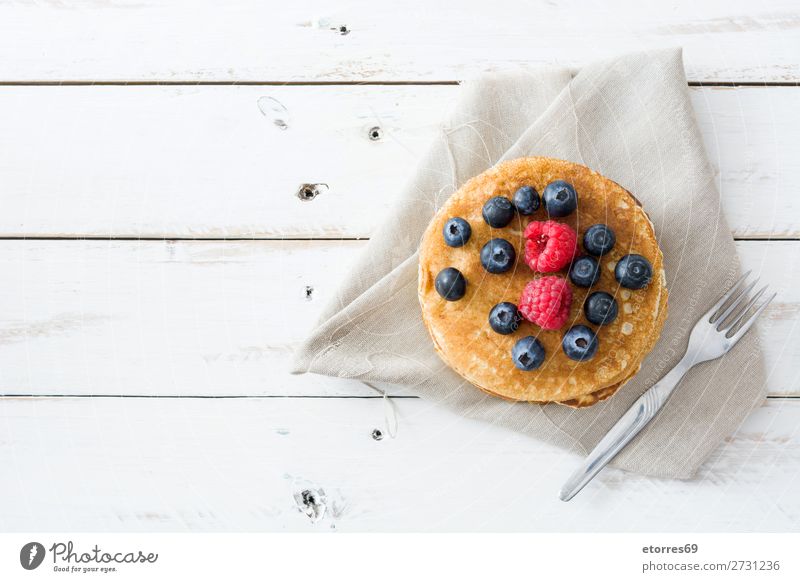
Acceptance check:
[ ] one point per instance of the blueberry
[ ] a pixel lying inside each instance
(560, 198)
(456, 232)
(598, 240)
(504, 318)
(498, 212)
(585, 271)
(579, 343)
(527, 353)
(451, 284)
(633, 272)
(600, 308)
(526, 200)
(498, 256)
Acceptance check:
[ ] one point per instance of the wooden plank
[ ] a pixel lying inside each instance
(361, 40)
(221, 318)
(210, 162)
(128, 317)
(200, 465)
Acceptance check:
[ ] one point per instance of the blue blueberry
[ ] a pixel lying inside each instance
(504, 318)
(498, 256)
(451, 284)
(598, 240)
(585, 271)
(498, 212)
(526, 200)
(560, 199)
(579, 343)
(528, 353)
(456, 232)
(634, 272)
(600, 308)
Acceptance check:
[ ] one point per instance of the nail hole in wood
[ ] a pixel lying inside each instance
(312, 503)
(308, 192)
(375, 133)
(377, 434)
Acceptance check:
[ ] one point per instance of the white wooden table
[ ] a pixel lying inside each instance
(158, 265)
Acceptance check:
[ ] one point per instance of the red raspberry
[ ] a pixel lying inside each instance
(546, 302)
(550, 246)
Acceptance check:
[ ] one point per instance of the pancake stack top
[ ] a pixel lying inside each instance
(522, 303)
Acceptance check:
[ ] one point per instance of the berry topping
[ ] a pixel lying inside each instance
(498, 256)
(585, 271)
(451, 284)
(504, 318)
(560, 199)
(456, 232)
(600, 308)
(546, 302)
(498, 212)
(579, 343)
(527, 353)
(550, 245)
(633, 272)
(526, 200)
(598, 240)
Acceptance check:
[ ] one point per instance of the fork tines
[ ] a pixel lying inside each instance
(735, 320)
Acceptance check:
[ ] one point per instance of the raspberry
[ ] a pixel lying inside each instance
(546, 302)
(550, 246)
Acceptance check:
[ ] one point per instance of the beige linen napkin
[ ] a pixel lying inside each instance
(630, 119)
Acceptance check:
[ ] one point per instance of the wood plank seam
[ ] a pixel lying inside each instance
(11, 396)
(444, 82)
(257, 238)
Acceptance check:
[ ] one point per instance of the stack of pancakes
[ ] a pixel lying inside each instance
(460, 329)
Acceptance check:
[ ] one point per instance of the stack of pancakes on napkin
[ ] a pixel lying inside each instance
(460, 329)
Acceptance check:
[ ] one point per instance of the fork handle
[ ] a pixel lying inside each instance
(628, 426)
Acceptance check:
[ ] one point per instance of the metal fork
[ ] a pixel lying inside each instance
(717, 332)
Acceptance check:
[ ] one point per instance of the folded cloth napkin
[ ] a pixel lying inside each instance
(629, 118)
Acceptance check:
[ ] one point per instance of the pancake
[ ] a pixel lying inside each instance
(460, 329)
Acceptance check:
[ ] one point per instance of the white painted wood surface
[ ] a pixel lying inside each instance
(221, 317)
(255, 40)
(189, 464)
(204, 162)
